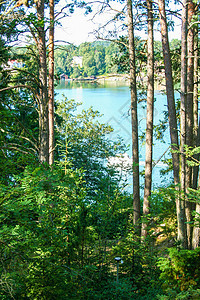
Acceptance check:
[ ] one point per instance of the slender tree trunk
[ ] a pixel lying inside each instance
(43, 106)
(196, 133)
(134, 119)
(51, 83)
(196, 229)
(169, 90)
(183, 92)
(150, 108)
(172, 121)
(190, 80)
(183, 107)
(189, 114)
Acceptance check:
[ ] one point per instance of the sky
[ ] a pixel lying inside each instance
(75, 29)
(78, 28)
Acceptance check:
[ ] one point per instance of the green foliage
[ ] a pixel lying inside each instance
(62, 227)
(87, 144)
(56, 224)
(111, 52)
(180, 270)
(8, 22)
(189, 294)
(122, 59)
(192, 155)
(18, 114)
(96, 59)
(18, 135)
(28, 74)
(175, 51)
(121, 290)
(36, 235)
(139, 264)
(162, 219)
(64, 58)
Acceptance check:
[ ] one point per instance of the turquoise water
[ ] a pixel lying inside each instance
(113, 101)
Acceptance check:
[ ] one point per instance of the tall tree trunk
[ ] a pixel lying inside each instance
(134, 120)
(196, 133)
(150, 108)
(43, 106)
(196, 229)
(180, 210)
(189, 114)
(51, 83)
(183, 107)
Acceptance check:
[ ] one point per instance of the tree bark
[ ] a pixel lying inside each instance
(43, 95)
(196, 133)
(183, 107)
(189, 114)
(196, 229)
(190, 78)
(134, 120)
(150, 108)
(51, 84)
(183, 94)
(172, 121)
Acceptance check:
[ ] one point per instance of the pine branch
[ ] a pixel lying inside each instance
(23, 126)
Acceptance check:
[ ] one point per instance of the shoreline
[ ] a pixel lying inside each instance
(116, 79)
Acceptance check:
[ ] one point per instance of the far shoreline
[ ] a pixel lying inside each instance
(113, 79)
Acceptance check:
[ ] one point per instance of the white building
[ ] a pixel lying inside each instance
(78, 61)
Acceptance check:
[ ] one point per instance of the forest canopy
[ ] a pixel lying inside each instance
(101, 58)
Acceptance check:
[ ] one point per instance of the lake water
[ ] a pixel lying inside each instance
(113, 101)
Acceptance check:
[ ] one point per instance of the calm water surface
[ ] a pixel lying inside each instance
(113, 101)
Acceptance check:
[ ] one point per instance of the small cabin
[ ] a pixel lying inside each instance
(64, 77)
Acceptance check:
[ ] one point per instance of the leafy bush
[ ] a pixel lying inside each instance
(37, 242)
(180, 272)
